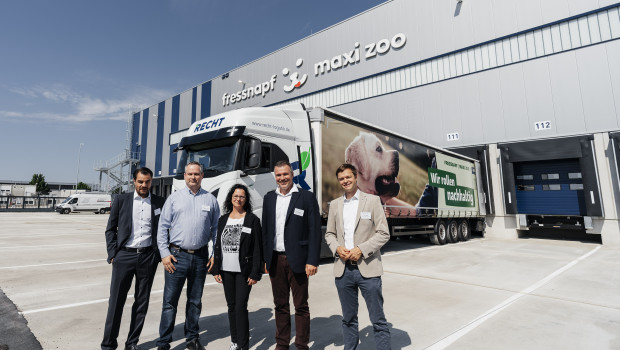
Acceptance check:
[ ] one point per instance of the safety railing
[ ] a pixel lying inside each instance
(29, 203)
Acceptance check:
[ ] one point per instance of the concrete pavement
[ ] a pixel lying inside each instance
(481, 294)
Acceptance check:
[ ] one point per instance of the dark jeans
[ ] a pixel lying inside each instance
(237, 292)
(125, 267)
(193, 268)
(347, 286)
(283, 280)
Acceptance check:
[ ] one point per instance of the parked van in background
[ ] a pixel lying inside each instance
(99, 203)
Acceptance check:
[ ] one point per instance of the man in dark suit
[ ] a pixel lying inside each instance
(131, 238)
(291, 246)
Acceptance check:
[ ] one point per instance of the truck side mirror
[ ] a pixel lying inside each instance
(254, 153)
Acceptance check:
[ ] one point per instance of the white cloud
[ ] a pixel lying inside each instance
(82, 107)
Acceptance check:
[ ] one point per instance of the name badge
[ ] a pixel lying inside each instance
(157, 211)
(246, 230)
(206, 208)
(365, 215)
(299, 212)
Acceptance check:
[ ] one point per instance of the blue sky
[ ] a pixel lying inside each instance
(71, 69)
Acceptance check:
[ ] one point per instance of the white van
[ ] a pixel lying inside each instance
(99, 203)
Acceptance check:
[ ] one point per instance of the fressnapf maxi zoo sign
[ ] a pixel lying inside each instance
(357, 55)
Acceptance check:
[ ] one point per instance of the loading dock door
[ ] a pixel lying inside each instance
(551, 187)
(548, 151)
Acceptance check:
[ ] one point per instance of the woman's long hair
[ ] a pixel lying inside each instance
(228, 206)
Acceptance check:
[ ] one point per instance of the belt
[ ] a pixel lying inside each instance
(351, 263)
(276, 252)
(189, 251)
(138, 250)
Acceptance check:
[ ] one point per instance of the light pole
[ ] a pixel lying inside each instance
(77, 176)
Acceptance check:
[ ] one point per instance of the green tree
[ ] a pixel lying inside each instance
(39, 180)
(83, 186)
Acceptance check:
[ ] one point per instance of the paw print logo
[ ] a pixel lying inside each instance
(295, 81)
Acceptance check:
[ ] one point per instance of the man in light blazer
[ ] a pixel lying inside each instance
(131, 240)
(291, 249)
(356, 231)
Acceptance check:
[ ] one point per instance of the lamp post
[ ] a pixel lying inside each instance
(77, 176)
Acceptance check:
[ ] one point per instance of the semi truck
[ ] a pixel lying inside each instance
(424, 189)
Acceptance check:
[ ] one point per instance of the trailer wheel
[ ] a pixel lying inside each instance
(441, 231)
(66, 211)
(464, 232)
(453, 231)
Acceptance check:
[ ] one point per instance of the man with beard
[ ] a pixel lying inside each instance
(131, 239)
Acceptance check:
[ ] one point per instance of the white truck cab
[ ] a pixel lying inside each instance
(242, 146)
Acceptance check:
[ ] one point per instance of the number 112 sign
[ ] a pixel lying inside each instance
(544, 125)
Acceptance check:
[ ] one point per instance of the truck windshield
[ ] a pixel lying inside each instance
(217, 157)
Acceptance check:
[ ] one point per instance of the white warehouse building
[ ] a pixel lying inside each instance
(529, 88)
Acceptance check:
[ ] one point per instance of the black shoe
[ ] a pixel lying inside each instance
(164, 347)
(194, 345)
(131, 347)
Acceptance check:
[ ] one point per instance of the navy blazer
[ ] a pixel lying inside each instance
(250, 247)
(121, 221)
(302, 233)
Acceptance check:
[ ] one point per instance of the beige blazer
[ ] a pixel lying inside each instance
(370, 234)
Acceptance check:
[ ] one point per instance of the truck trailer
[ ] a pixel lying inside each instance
(424, 189)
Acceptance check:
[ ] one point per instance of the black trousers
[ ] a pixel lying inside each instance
(237, 292)
(125, 267)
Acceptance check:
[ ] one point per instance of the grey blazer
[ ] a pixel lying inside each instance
(370, 234)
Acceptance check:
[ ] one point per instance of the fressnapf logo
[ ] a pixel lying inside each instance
(296, 82)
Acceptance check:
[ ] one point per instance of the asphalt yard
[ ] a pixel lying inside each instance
(481, 294)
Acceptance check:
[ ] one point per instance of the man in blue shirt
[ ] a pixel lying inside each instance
(188, 221)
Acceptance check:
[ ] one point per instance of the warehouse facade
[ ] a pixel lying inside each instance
(530, 88)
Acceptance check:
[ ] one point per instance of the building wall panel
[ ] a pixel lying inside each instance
(514, 102)
(470, 111)
(539, 97)
(567, 101)
(613, 57)
(185, 110)
(151, 142)
(165, 156)
(528, 13)
(596, 89)
(450, 114)
(552, 10)
(491, 106)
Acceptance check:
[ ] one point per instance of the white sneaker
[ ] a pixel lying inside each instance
(233, 346)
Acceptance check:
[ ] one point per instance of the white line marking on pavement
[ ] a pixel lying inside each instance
(98, 301)
(47, 246)
(44, 235)
(449, 340)
(50, 264)
(428, 248)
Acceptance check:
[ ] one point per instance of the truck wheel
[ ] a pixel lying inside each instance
(66, 211)
(441, 231)
(453, 231)
(102, 211)
(464, 232)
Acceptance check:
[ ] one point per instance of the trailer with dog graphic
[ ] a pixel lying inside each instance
(424, 189)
